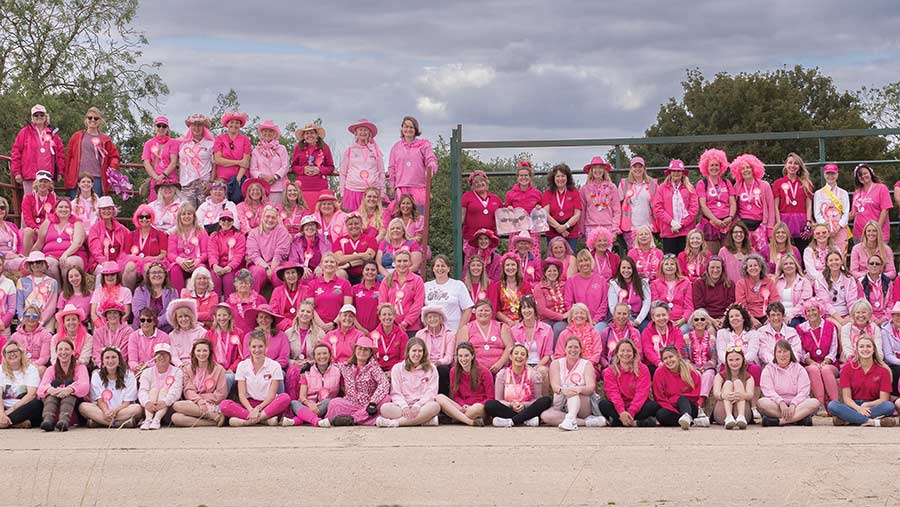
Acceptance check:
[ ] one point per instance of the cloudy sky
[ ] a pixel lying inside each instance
(504, 69)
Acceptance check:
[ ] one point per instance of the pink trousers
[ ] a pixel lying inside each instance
(706, 382)
(350, 199)
(179, 277)
(276, 408)
(292, 381)
(223, 285)
(823, 383)
(260, 278)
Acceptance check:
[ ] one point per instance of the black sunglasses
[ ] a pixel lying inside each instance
(161, 126)
(143, 217)
(39, 115)
(226, 219)
(92, 118)
(146, 320)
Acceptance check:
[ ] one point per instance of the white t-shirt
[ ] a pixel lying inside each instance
(15, 388)
(119, 396)
(258, 383)
(452, 296)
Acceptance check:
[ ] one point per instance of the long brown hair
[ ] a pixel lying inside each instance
(120, 369)
(635, 362)
(210, 363)
(742, 371)
(474, 374)
(425, 363)
(65, 375)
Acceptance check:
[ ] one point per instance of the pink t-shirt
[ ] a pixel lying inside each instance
(716, 196)
(232, 150)
(791, 195)
(328, 296)
(868, 207)
(158, 152)
(479, 213)
(749, 200)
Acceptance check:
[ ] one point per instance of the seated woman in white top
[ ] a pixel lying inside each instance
(113, 393)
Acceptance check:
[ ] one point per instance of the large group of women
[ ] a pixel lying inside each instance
(247, 293)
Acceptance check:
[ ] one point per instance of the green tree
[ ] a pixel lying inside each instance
(789, 99)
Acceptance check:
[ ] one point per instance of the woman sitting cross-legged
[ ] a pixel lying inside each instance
(113, 393)
(414, 385)
(785, 389)
(517, 393)
(572, 380)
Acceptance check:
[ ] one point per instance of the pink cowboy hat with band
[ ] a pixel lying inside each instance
(249, 181)
(598, 160)
(364, 123)
(234, 115)
(269, 124)
(70, 309)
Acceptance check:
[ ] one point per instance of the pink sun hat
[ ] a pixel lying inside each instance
(269, 124)
(364, 123)
(234, 115)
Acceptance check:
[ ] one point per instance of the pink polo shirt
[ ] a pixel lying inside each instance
(868, 205)
(347, 245)
(408, 299)
(562, 207)
(366, 302)
(233, 150)
(391, 346)
(527, 198)
(342, 343)
(328, 296)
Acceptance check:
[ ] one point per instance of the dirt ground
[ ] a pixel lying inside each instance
(452, 465)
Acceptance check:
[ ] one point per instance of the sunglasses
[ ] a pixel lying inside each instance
(734, 348)
(834, 294)
(145, 320)
(226, 219)
(93, 118)
(874, 263)
(161, 126)
(143, 217)
(39, 115)
(699, 319)
(31, 315)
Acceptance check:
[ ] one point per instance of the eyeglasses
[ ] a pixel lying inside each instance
(145, 320)
(734, 348)
(93, 118)
(11, 352)
(699, 319)
(39, 115)
(161, 126)
(143, 217)
(32, 315)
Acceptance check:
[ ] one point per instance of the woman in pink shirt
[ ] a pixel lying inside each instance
(365, 298)
(226, 341)
(286, 298)
(440, 343)
(518, 393)
(524, 195)
(312, 162)
(69, 327)
(114, 333)
(390, 340)
(258, 379)
(204, 389)
(537, 337)
(478, 284)
(362, 166)
(471, 386)
(559, 249)
(550, 299)
(145, 244)
(490, 337)
(645, 254)
(676, 388)
(572, 382)
(793, 194)
(10, 240)
(580, 326)
(200, 289)
(836, 287)
(366, 388)
(76, 290)
(675, 207)
(599, 243)
(780, 243)
(318, 385)
(871, 202)
(408, 162)
(627, 386)
(329, 292)
(736, 247)
(755, 202)
(661, 333)
(620, 328)
(268, 247)
(84, 205)
(637, 192)
(716, 198)
(785, 390)
(404, 290)
(588, 287)
(674, 289)
(142, 341)
(37, 208)
(373, 215)
(243, 299)
(256, 199)
(269, 160)
(734, 391)
(600, 199)
(187, 249)
(62, 239)
(819, 338)
(34, 337)
(107, 238)
(397, 240)
(165, 207)
(232, 149)
(478, 206)
(182, 313)
(157, 155)
(342, 338)
(695, 257)
(110, 289)
(793, 288)
(330, 218)
(562, 203)
(483, 245)
(62, 385)
(292, 208)
(871, 243)
(755, 290)
(309, 247)
(414, 386)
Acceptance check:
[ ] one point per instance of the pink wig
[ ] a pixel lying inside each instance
(756, 164)
(143, 209)
(711, 155)
(510, 255)
(816, 303)
(600, 232)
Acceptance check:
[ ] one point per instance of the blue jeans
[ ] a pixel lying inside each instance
(843, 411)
(98, 188)
(600, 326)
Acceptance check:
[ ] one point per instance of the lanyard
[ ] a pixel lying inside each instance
(560, 201)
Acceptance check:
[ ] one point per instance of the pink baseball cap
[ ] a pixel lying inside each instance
(637, 160)
(830, 168)
(676, 165)
(161, 120)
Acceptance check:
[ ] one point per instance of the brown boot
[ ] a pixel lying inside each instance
(51, 406)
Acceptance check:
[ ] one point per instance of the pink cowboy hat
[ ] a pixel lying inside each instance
(196, 118)
(234, 115)
(676, 165)
(111, 306)
(484, 232)
(522, 236)
(249, 181)
(438, 310)
(598, 160)
(110, 268)
(175, 304)
(286, 266)
(364, 123)
(326, 195)
(70, 309)
(250, 315)
(320, 131)
(269, 124)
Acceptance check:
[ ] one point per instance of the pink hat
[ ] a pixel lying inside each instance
(365, 342)
(817, 303)
(249, 181)
(161, 119)
(637, 160)
(309, 219)
(598, 160)
(484, 232)
(226, 214)
(286, 266)
(234, 115)
(522, 236)
(251, 314)
(110, 305)
(596, 234)
(524, 163)
(35, 256)
(37, 108)
(676, 165)
(162, 347)
(440, 311)
(70, 309)
(830, 168)
(175, 304)
(552, 261)
(110, 268)
(364, 123)
(105, 202)
(196, 118)
(269, 124)
(326, 195)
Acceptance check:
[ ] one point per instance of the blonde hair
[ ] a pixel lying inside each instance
(583, 307)
(880, 248)
(635, 361)
(876, 358)
(788, 243)
(186, 208)
(184, 311)
(377, 221)
(96, 111)
(701, 253)
(684, 369)
(802, 173)
(7, 370)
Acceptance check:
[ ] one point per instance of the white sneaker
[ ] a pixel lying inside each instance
(534, 422)
(324, 423)
(700, 412)
(685, 422)
(287, 422)
(236, 422)
(729, 422)
(503, 422)
(701, 421)
(568, 425)
(822, 412)
(384, 422)
(756, 415)
(154, 424)
(595, 421)
(272, 421)
(432, 422)
(741, 422)
(146, 424)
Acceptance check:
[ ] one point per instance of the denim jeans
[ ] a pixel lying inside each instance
(843, 411)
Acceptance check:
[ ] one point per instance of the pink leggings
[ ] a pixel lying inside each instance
(276, 408)
(179, 277)
(343, 406)
(292, 381)
(223, 285)
(260, 278)
(823, 382)
(706, 382)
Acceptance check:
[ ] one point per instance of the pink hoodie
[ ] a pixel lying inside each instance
(668, 387)
(362, 167)
(663, 209)
(790, 385)
(601, 205)
(407, 298)
(408, 161)
(413, 388)
(271, 247)
(81, 383)
(802, 291)
(625, 390)
(227, 249)
(270, 160)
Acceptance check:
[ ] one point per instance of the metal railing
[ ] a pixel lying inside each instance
(457, 145)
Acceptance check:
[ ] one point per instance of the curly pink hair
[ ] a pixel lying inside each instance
(600, 232)
(759, 169)
(816, 303)
(510, 255)
(710, 155)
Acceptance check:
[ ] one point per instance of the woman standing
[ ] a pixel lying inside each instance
(258, 378)
(600, 199)
(793, 194)
(19, 381)
(716, 198)
(471, 386)
(517, 393)
(562, 203)
(831, 206)
(312, 161)
(157, 155)
(366, 388)
(362, 166)
(92, 152)
(819, 337)
(114, 393)
(755, 202)
(785, 390)
(414, 386)
(268, 246)
(627, 386)
(269, 160)
(572, 381)
(637, 192)
(524, 195)
(37, 147)
(61, 387)
(195, 158)
(793, 288)
(156, 292)
(676, 388)
(232, 149)
(408, 162)
(675, 207)
(871, 202)
(479, 206)
(145, 244)
(204, 389)
(865, 389)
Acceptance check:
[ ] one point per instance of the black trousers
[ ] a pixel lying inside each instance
(666, 417)
(895, 371)
(674, 245)
(444, 379)
(495, 408)
(608, 410)
(30, 411)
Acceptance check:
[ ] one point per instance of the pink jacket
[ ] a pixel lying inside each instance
(408, 161)
(625, 390)
(103, 337)
(680, 302)
(592, 291)
(802, 292)
(601, 205)
(140, 347)
(270, 162)
(647, 262)
(105, 246)
(768, 338)
(790, 385)
(662, 209)
(362, 167)
(35, 343)
(413, 388)
(543, 337)
(26, 157)
(151, 379)
(441, 346)
(193, 247)
(408, 299)
(652, 342)
(182, 342)
(227, 249)
(35, 212)
(268, 247)
(81, 382)
(668, 387)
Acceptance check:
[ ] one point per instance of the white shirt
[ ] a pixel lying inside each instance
(452, 296)
(17, 386)
(119, 396)
(258, 383)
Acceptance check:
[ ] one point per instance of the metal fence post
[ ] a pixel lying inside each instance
(618, 156)
(456, 198)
